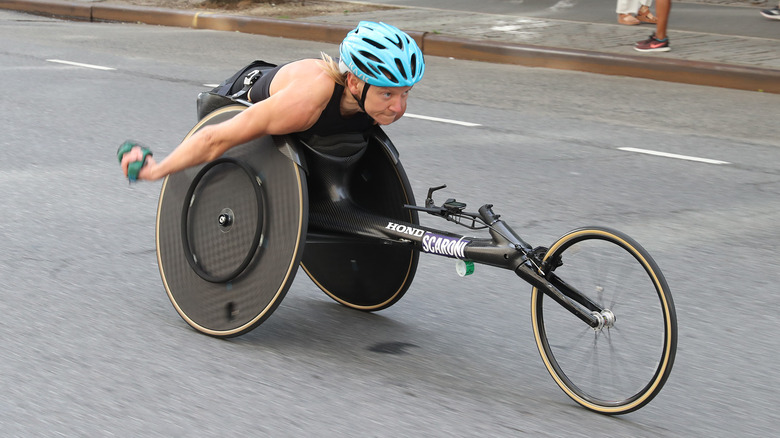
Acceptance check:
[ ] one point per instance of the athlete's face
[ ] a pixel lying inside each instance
(383, 104)
(386, 104)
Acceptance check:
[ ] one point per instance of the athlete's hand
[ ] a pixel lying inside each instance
(136, 161)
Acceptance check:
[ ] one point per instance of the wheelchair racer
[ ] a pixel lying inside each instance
(368, 85)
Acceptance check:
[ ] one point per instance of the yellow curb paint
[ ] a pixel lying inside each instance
(195, 18)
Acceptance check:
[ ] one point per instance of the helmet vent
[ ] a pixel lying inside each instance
(363, 68)
(387, 74)
(400, 66)
(370, 56)
(413, 63)
(399, 43)
(375, 44)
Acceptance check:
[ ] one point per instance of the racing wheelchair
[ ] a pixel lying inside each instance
(231, 234)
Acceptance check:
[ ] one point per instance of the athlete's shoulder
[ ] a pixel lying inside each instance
(306, 76)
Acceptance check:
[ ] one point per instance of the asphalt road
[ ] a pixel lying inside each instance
(91, 346)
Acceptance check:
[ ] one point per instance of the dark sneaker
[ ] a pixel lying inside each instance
(644, 41)
(653, 44)
(772, 14)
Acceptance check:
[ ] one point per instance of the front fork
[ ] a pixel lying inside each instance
(568, 297)
(529, 270)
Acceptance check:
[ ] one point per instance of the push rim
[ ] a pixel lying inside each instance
(225, 220)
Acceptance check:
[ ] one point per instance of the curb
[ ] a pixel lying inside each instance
(664, 69)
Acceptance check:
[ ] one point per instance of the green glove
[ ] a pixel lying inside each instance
(134, 167)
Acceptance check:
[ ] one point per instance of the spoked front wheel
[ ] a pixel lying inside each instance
(621, 365)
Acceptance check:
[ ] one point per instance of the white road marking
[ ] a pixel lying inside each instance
(411, 116)
(78, 64)
(437, 119)
(679, 157)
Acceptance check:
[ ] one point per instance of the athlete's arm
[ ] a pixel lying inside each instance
(294, 106)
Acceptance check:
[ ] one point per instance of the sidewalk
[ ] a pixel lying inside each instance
(739, 62)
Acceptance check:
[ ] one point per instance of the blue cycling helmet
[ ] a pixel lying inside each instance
(382, 55)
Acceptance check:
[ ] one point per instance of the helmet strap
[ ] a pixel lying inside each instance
(361, 101)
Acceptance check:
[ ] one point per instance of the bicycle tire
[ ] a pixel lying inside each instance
(624, 366)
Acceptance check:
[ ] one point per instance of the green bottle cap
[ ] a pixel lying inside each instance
(464, 267)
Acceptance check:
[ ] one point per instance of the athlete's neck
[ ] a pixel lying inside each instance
(349, 105)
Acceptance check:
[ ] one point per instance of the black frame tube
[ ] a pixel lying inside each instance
(505, 249)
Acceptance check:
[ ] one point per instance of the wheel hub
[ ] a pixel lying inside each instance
(225, 220)
(606, 319)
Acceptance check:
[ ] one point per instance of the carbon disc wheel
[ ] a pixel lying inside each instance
(365, 275)
(230, 233)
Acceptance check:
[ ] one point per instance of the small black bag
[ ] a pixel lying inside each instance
(239, 84)
(232, 88)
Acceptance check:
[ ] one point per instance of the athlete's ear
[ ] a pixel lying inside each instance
(354, 84)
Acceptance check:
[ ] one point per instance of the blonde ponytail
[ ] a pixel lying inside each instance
(331, 67)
